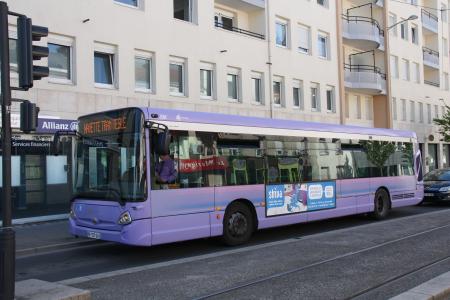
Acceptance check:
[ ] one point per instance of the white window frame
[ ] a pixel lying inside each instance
(405, 70)
(179, 62)
(429, 119)
(317, 87)
(358, 108)
(415, 37)
(112, 51)
(306, 29)
(393, 60)
(257, 76)
(446, 81)
(236, 72)
(211, 68)
(412, 111)
(404, 28)
(394, 108)
(150, 57)
(67, 42)
(404, 112)
(369, 108)
(192, 6)
(416, 72)
(333, 99)
(326, 36)
(420, 112)
(279, 80)
(284, 22)
(137, 6)
(298, 84)
(392, 21)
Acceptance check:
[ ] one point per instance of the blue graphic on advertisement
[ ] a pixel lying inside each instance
(285, 199)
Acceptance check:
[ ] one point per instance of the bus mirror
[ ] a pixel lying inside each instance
(163, 142)
(56, 147)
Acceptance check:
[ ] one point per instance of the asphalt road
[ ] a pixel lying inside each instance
(340, 258)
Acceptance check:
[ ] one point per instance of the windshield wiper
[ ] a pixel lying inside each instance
(112, 190)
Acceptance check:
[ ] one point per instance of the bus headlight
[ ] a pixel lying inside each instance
(125, 218)
(72, 214)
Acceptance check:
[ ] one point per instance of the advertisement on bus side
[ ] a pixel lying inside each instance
(285, 199)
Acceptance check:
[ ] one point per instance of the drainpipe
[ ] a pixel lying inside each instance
(269, 57)
(387, 66)
(340, 57)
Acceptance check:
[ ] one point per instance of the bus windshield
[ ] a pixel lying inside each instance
(110, 157)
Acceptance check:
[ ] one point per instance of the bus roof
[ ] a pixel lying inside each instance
(236, 120)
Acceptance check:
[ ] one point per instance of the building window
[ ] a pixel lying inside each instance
(297, 94)
(104, 69)
(233, 84)
(392, 21)
(278, 91)
(358, 108)
(420, 112)
(444, 12)
(331, 107)
(436, 111)
(429, 113)
(322, 45)
(369, 108)
(446, 84)
(60, 62)
(394, 66)
(416, 73)
(404, 30)
(315, 97)
(133, 3)
(224, 20)
(414, 34)
(405, 69)
(324, 3)
(206, 83)
(394, 108)
(182, 10)
(281, 33)
(403, 109)
(177, 77)
(257, 88)
(445, 46)
(412, 111)
(305, 39)
(143, 73)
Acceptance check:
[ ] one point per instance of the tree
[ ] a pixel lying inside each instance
(378, 152)
(444, 124)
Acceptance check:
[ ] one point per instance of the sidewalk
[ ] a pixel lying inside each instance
(48, 236)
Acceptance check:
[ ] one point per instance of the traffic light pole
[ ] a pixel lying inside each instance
(7, 234)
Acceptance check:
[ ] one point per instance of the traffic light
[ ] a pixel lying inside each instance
(27, 53)
(28, 116)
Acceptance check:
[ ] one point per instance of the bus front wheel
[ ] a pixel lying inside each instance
(381, 205)
(237, 224)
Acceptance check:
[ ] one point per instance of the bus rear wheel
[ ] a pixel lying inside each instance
(381, 205)
(237, 224)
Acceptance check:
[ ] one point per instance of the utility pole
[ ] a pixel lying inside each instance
(7, 234)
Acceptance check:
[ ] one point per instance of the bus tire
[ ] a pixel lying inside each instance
(238, 224)
(381, 205)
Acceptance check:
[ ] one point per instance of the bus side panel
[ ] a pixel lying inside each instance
(181, 214)
(402, 189)
(358, 190)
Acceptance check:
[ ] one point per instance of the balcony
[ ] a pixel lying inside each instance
(430, 58)
(244, 5)
(362, 32)
(239, 30)
(429, 21)
(365, 79)
(433, 83)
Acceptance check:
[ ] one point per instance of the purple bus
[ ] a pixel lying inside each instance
(145, 176)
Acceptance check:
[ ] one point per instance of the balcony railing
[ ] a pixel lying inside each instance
(429, 21)
(433, 83)
(359, 28)
(365, 77)
(239, 30)
(430, 57)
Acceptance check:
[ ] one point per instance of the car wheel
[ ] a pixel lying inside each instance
(381, 205)
(237, 224)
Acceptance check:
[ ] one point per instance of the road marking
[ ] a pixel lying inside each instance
(173, 262)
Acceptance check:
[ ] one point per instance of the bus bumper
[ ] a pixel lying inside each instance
(138, 233)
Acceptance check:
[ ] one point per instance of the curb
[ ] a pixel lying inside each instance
(21, 253)
(437, 288)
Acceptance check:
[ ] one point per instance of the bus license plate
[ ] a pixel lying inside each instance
(94, 235)
(428, 194)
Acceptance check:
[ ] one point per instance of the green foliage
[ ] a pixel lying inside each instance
(378, 152)
(444, 124)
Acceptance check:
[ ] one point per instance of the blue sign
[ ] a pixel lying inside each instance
(285, 199)
(54, 125)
